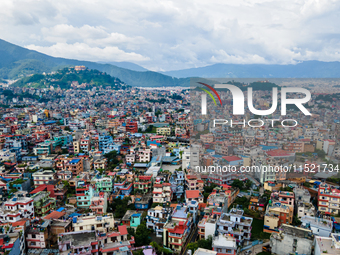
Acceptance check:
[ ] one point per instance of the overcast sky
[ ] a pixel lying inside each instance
(171, 35)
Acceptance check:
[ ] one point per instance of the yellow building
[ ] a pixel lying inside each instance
(163, 131)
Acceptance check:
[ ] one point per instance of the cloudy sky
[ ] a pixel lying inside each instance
(172, 35)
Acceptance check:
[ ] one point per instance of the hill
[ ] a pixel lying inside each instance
(307, 69)
(16, 61)
(69, 77)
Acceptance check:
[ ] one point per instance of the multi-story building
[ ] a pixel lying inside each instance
(103, 184)
(284, 197)
(100, 164)
(156, 219)
(124, 187)
(291, 240)
(132, 127)
(85, 144)
(99, 203)
(75, 166)
(37, 235)
(207, 138)
(236, 224)
(319, 226)
(12, 238)
(144, 155)
(76, 147)
(327, 245)
(117, 242)
(302, 195)
(328, 199)
(143, 184)
(130, 158)
(16, 209)
(224, 245)
(298, 147)
(78, 242)
(42, 177)
(193, 183)
(162, 193)
(193, 195)
(191, 157)
(163, 131)
(207, 226)
(84, 193)
(258, 204)
(305, 209)
(98, 223)
(276, 215)
(177, 183)
(43, 203)
(177, 229)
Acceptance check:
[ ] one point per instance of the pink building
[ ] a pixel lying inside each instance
(99, 203)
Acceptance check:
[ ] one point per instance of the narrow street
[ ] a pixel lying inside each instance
(191, 239)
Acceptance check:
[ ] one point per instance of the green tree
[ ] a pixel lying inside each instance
(142, 235)
(237, 184)
(248, 184)
(203, 243)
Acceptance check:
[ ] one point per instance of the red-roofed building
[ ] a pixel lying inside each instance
(193, 195)
(44, 187)
(54, 215)
(193, 183)
(142, 183)
(177, 229)
(280, 154)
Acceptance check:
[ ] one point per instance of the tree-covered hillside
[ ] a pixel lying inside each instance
(69, 77)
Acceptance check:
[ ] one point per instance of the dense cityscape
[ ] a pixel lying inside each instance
(95, 166)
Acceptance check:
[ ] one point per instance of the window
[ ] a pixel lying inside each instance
(80, 228)
(33, 236)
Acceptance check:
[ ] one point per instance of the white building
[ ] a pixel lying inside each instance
(305, 209)
(224, 244)
(156, 219)
(43, 177)
(236, 224)
(191, 157)
(319, 226)
(16, 209)
(99, 223)
(327, 245)
(7, 155)
(291, 240)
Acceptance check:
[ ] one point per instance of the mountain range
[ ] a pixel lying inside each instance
(16, 62)
(306, 69)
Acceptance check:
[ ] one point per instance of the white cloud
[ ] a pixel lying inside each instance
(176, 34)
(83, 51)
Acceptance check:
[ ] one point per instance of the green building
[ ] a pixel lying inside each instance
(43, 203)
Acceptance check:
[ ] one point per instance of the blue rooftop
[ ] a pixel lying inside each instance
(74, 161)
(265, 147)
(61, 209)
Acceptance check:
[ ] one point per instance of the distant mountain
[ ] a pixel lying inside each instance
(127, 65)
(307, 69)
(16, 61)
